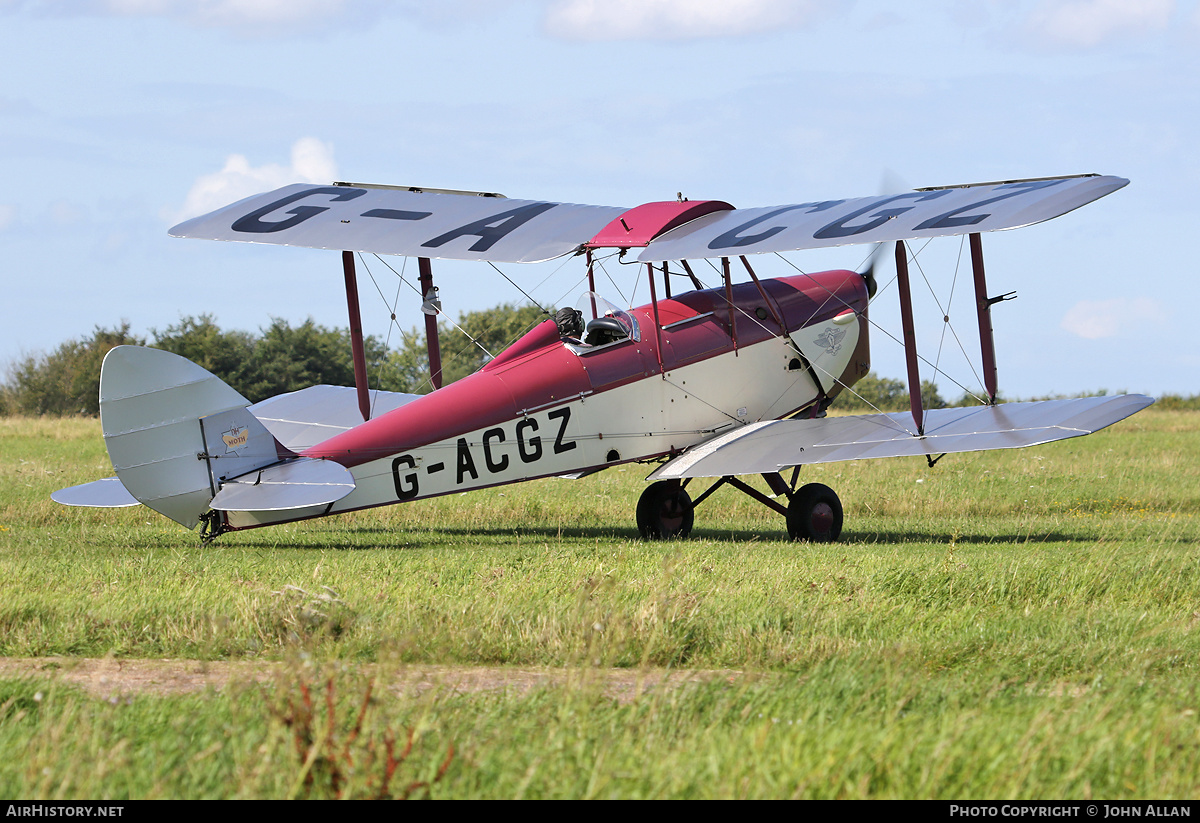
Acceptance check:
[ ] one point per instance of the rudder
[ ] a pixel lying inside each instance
(174, 431)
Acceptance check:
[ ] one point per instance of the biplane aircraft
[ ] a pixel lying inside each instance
(709, 383)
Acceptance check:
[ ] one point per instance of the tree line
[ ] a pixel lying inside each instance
(281, 358)
(284, 358)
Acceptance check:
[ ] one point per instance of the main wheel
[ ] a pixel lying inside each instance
(665, 510)
(815, 514)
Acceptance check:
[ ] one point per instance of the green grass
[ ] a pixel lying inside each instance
(854, 728)
(1013, 624)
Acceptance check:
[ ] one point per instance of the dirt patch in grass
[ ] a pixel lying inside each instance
(112, 677)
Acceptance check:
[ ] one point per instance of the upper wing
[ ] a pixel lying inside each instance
(922, 213)
(411, 223)
(768, 447)
(458, 226)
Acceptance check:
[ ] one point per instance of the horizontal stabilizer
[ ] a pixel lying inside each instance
(295, 484)
(768, 447)
(108, 493)
(302, 419)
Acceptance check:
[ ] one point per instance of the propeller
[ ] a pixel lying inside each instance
(891, 183)
(869, 274)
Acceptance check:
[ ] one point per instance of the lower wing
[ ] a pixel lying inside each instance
(768, 447)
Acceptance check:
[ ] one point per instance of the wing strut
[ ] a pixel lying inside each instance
(657, 322)
(729, 303)
(910, 337)
(767, 300)
(430, 307)
(356, 335)
(591, 282)
(983, 305)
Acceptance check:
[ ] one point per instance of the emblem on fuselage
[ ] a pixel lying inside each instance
(831, 340)
(235, 438)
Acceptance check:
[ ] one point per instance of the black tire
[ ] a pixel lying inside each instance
(815, 514)
(665, 511)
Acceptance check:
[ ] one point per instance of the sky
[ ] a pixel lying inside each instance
(120, 118)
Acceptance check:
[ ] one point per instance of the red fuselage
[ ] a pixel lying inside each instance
(541, 371)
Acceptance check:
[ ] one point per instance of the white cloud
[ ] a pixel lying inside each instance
(255, 13)
(312, 162)
(1094, 319)
(1087, 23)
(677, 19)
(253, 17)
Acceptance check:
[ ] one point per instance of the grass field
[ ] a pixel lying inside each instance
(1006, 625)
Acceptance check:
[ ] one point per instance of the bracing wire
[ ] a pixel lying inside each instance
(883, 331)
(947, 325)
(393, 323)
(443, 315)
(518, 288)
(474, 340)
(453, 358)
(556, 270)
(832, 296)
(950, 326)
(599, 263)
(566, 296)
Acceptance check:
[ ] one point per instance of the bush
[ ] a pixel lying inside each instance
(66, 381)
(284, 358)
(227, 354)
(1176, 402)
(885, 394)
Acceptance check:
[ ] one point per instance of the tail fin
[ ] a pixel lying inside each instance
(174, 431)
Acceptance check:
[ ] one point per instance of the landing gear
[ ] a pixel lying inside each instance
(815, 514)
(664, 511)
(212, 526)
